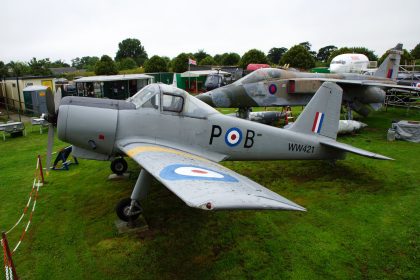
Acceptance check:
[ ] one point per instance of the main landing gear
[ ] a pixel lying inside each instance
(129, 209)
(119, 166)
(243, 112)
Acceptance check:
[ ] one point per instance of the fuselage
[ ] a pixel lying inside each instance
(349, 63)
(98, 127)
(278, 87)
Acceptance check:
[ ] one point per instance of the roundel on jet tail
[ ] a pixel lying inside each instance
(233, 137)
(272, 89)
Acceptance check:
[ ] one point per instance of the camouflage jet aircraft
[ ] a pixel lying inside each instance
(278, 87)
(179, 140)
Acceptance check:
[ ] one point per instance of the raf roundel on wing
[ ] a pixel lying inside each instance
(192, 172)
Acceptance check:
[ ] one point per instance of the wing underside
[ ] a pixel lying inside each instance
(204, 184)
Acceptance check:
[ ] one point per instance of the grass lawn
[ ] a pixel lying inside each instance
(363, 219)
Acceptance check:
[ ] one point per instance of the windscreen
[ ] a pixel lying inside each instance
(144, 95)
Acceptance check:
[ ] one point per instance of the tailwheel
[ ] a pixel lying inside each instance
(128, 209)
(119, 166)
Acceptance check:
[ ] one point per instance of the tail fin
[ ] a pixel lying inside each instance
(389, 68)
(322, 114)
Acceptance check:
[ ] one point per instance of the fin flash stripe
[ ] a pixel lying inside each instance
(319, 119)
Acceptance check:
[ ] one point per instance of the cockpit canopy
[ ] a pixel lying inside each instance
(170, 99)
(261, 74)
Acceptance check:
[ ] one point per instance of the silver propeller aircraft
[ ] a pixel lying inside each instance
(179, 140)
(279, 87)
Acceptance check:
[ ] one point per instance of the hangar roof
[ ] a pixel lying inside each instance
(113, 78)
(193, 74)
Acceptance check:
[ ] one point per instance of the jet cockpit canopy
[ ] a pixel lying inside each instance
(259, 75)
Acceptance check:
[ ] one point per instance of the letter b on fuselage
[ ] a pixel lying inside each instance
(233, 136)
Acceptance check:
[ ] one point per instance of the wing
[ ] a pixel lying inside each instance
(204, 184)
(361, 83)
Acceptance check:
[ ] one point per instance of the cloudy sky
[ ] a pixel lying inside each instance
(67, 29)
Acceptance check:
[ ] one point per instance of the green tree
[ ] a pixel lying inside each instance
(40, 67)
(126, 63)
(252, 56)
(298, 56)
(416, 51)
(200, 55)
(167, 60)
(106, 66)
(156, 64)
(208, 60)
(370, 54)
(131, 48)
(308, 46)
(274, 55)
(3, 70)
(18, 68)
(218, 59)
(325, 52)
(86, 62)
(180, 63)
(59, 63)
(230, 59)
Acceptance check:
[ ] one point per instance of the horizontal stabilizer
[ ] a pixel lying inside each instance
(354, 150)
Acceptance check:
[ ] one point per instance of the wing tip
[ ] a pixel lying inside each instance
(381, 157)
(209, 206)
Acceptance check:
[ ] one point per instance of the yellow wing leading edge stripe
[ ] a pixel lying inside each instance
(137, 150)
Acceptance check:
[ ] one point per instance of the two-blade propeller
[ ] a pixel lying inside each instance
(53, 100)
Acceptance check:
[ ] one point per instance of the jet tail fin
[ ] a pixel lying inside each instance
(389, 68)
(322, 114)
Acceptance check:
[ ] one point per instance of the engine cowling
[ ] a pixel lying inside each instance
(90, 123)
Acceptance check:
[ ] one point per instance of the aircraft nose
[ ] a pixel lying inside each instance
(333, 68)
(219, 97)
(206, 98)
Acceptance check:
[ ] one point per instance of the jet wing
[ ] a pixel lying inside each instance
(360, 83)
(204, 184)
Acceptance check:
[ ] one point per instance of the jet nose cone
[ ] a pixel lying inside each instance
(206, 98)
(218, 97)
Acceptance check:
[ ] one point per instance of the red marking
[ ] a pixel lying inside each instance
(292, 86)
(233, 137)
(40, 169)
(208, 205)
(389, 74)
(315, 120)
(199, 171)
(101, 137)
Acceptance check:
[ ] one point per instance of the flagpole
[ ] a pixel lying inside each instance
(189, 74)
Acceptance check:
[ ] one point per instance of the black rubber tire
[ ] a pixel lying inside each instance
(122, 210)
(119, 166)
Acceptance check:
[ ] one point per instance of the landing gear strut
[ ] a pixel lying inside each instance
(349, 112)
(119, 166)
(243, 112)
(129, 208)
